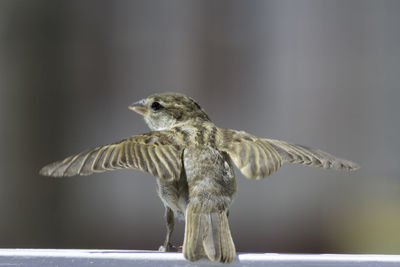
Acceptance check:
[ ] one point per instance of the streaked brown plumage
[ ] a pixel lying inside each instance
(192, 159)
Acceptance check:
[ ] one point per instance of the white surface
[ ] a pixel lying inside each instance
(72, 257)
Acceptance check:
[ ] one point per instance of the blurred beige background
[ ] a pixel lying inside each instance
(319, 73)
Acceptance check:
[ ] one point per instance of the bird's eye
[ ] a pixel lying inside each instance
(156, 106)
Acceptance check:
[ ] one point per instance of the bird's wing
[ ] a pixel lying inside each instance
(157, 153)
(260, 157)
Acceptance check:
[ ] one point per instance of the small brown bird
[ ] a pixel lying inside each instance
(192, 160)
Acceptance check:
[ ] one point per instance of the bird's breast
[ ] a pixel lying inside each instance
(174, 194)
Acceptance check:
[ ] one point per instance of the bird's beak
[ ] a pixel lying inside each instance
(139, 107)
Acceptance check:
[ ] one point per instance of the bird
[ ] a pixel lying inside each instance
(193, 162)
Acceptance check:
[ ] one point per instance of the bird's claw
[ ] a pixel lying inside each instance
(169, 248)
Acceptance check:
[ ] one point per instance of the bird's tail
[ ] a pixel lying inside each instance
(208, 234)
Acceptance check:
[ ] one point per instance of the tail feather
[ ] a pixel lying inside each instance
(208, 234)
(212, 238)
(228, 254)
(192, 245)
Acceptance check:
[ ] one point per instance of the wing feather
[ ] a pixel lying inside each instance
(260, 157)
(156, 153)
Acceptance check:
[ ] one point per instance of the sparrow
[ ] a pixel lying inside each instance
(193, 161)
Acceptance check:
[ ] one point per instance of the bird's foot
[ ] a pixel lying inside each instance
(169, 248)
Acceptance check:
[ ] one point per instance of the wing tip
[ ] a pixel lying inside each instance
(44, 171)
(49, 171)
(52, 170)
(352, 166)
(341, 164)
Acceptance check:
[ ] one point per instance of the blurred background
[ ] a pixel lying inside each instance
(319, 73)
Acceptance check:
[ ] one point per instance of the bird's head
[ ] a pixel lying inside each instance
(165, 111)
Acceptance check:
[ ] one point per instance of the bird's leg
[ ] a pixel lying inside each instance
(169, 219)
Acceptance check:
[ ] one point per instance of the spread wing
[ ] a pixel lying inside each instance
(156, 153)
(260, 157)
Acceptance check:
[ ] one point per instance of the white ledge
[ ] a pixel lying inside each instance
(74, 257)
